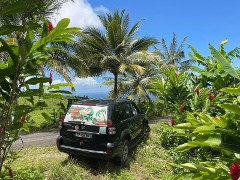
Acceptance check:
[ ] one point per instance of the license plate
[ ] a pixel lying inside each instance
(83, 135)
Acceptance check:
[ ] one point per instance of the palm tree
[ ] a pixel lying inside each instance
(113, 50)
(173, 56)
(133, 83)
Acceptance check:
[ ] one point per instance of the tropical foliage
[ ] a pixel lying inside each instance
(208, 114)
(20, 72)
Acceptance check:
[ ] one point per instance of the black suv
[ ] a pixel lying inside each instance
(101, 128)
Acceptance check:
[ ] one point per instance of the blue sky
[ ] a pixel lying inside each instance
(204, 22)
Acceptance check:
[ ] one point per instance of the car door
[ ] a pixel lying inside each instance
(137, 118)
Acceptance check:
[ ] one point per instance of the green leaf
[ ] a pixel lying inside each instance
(185, 126)
(8, 29)
(38, 55)
(231, 107)
(183, 147)
(196, 53)
(47, 117)
(16, 125)
(231, 90)
(192, 166)
(57, 86)
(60, 91)
(10, 51)
(61, 26)
(17, 7)
(68, 30)
(204, 128)
(223, 62)
(31, 92)
(34, 81)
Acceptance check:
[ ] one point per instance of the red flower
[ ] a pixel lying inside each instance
(0, 129)
(195, 115)
(172, 121)
(235, 170)
(10, 173)
(193, 87)
(50, 76)
(22, 118)
(182, 110)
(212, 97)
(196, 78)
(197, 90)
(169, 79)
(176, 74)
(50, 27)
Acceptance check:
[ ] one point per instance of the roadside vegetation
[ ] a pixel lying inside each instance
(203, 139)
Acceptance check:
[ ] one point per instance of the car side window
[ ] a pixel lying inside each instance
(117, 113)
(134, 109)
(127, 111)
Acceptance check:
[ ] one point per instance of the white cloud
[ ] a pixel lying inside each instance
(81, 14)
(101, 9)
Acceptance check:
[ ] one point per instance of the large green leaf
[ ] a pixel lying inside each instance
(186, 126)
(34, 81)
(57, 86)
(196, 53)
(231, 107)
(183, 147)
(204, 128)
(61, 26)
(8, 29)
(231, 90)
(17, 7)
(192, 166)
(38, 55)
(223, 62)
(68, 30)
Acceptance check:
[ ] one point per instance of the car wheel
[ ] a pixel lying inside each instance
(125, 151)
(147, 130)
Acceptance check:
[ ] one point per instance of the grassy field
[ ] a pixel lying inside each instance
(148, 160)
(36, 115)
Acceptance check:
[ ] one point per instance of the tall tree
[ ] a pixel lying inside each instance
(174, 55)
(113, 49)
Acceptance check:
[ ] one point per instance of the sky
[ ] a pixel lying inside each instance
(204, 22)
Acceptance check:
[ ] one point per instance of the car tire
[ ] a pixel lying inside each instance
(125, 152)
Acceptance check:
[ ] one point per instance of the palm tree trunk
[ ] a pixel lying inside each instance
(115, 85)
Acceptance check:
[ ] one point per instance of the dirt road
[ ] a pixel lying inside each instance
(49, 138)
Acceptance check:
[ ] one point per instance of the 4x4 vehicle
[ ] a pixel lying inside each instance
(115, 126)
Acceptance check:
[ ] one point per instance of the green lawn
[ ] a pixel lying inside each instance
(36, 115)
(148, 160)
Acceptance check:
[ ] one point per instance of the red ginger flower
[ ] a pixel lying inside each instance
(196, 78)
(50, 27)
(193, 87)
(10, 173)
(22, 118)
(235, 170)
(195, 115)
(212, 97)
(197, 90)
(50, 76)
(176, 74)
(182, 110)
(172, 121)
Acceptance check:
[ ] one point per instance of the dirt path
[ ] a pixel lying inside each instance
(49, 138)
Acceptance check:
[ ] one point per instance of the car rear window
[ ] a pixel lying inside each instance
(90, 115)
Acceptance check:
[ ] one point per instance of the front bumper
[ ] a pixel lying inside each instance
(116, 147)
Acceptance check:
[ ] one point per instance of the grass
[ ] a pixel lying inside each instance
(51, 104)
(147, 160)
